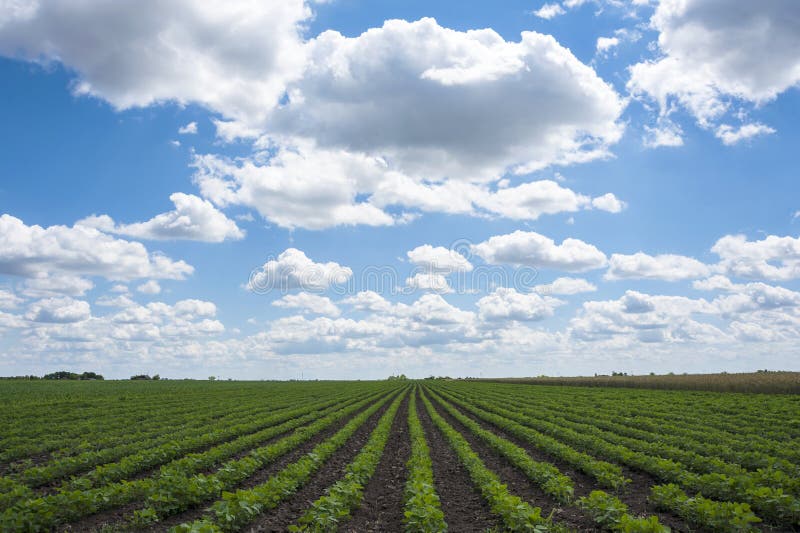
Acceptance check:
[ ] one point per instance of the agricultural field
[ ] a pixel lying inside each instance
(419, 456)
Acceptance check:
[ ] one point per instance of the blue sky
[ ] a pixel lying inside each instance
(639, 152)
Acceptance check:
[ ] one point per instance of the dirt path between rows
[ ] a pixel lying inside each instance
(382, 506)
(116, 518)
(518, 483)
(290, 510)
(464, 508)
(635, 495)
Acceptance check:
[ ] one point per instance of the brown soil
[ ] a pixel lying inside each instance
(464, 508)
(635, 495)
(117, 518)
(382, 506)
(290, 510)
(518, 483)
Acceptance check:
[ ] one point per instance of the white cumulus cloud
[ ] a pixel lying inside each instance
(233, 57)
(717, 54)
(566, 286)
(58, 310)
(149, 287)
(535, 250)
(438, 259)
(188, 129)
(668, 267)
(439, 103)
(308, 303)
(549, 11)
(730, 135)
(429, 281)
(292, 269)
(34, 251)
(508, 304)
(192, 219)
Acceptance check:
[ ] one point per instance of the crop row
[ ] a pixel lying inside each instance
(682, 439)
(606, 509)
(516, 514)
(772, 420)
(177, 490)
(42, 513)
(769, 502)
(659, 447)
(518, 429)
(237, 509)
(607, 474)
(166, 444)
(100, 433)
(346, 494)
(12, 491)
(769, 419)
(423, 510)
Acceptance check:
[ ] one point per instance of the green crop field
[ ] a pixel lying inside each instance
(431, 455)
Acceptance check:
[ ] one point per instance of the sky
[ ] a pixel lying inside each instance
(348, 189)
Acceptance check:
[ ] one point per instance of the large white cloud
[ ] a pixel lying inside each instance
(292, 269)
(531, 200)
(438, 259)
(429, 281)
(389, 118)
(302, 185)
(416, 117)
(508, 304)
(535, 250)
(638, 317)
(772, 258)
(566, 286)
(437, 103)
(33, 251)
(668, 267)
(308, 303)
(149, 287)
(9, 300)
(59, 310)
(45, 284)
(233, 57)
(193, 219)
(717, 53)
(157, 334)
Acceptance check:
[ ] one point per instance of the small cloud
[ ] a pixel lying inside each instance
(604, 44)
(188, 129)
(175, 143)
(149, 287)
(549, 11)
(608, 202)
(665, 134)
(730, 135)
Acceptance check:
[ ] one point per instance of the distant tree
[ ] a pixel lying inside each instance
(91, 375)
(140, 377)
(212, 378)
(156, 377)
(62, 374)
